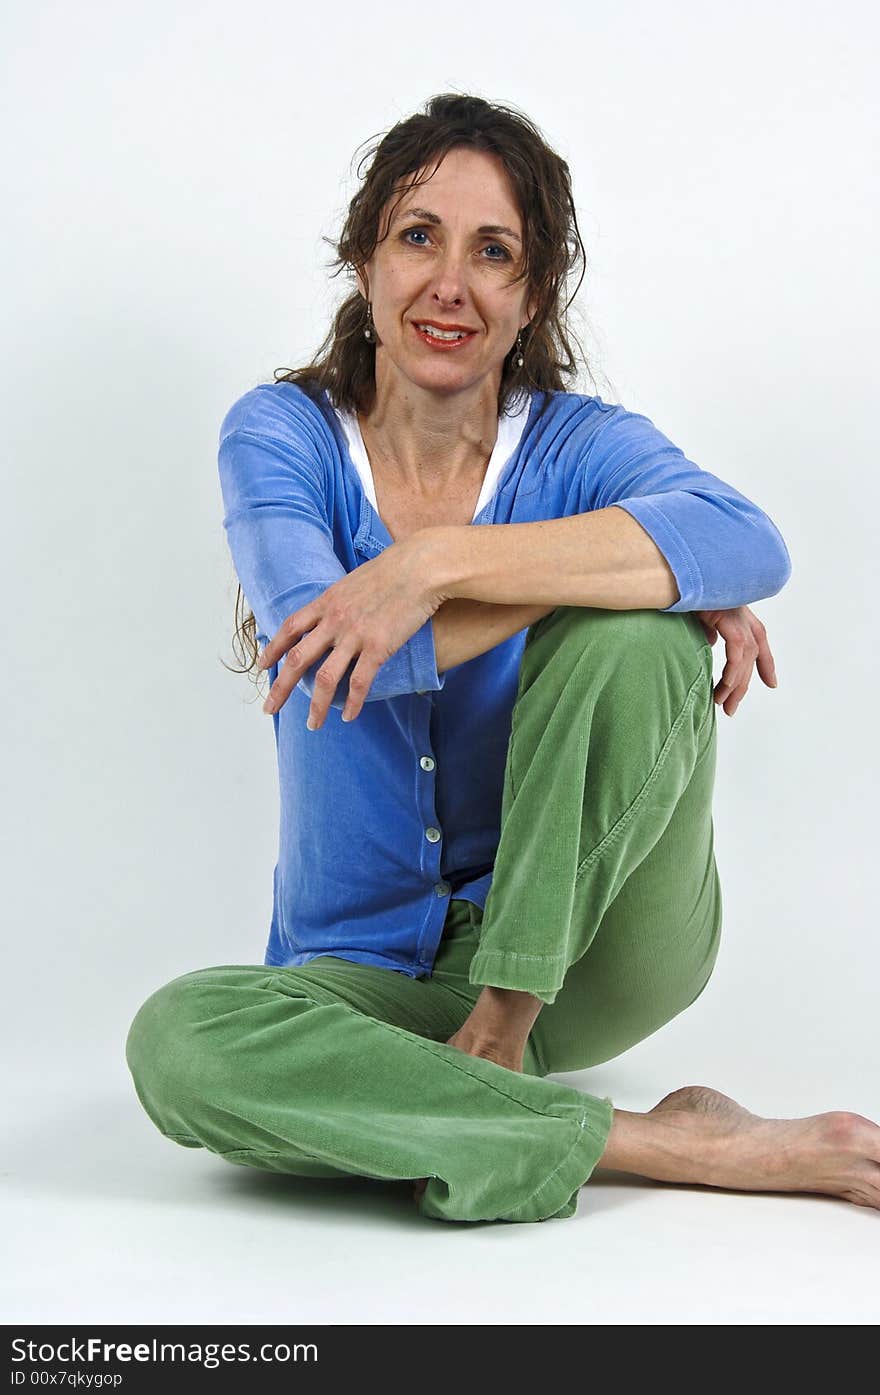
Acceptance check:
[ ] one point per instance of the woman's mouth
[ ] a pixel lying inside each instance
(440, 339)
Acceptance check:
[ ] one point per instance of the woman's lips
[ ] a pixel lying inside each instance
(446, 344)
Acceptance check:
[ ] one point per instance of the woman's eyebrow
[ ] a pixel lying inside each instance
(435, 218)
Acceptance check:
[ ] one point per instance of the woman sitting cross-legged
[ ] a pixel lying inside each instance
(487, 605)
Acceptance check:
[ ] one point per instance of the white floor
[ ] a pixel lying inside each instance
(106, 1220)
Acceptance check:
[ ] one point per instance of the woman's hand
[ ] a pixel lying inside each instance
(503, 1051)
(745, 639)
(498, 1026)
(366, 615)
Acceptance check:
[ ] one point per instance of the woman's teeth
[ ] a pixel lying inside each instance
(441, 333)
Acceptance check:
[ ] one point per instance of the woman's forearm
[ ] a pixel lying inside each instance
(603, 558)
(464, 628)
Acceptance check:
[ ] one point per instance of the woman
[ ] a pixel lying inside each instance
(496, 744)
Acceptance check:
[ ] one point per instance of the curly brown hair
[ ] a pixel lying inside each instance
(344, 365)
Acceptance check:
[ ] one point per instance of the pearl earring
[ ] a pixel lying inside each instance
(368, 332)
(519, 358)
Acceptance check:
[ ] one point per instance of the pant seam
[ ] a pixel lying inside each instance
(400, 1031)
(652, 778)
(514, 954)
(421, 1042)
(275, 1153)
(255, 1153)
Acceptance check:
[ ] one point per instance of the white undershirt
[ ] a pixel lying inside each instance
(510, 430)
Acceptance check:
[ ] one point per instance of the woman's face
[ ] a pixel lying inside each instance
(448, 269)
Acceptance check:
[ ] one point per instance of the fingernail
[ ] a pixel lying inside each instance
(311, 724)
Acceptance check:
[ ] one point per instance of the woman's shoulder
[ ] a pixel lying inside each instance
(569, 418)
(280, 410)
(607, 435)
(563, 404)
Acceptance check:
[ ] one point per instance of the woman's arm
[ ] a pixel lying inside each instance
(280, 534)
(464, 628)
(644, 528)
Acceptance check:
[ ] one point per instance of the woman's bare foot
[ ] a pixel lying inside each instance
(697, 1134)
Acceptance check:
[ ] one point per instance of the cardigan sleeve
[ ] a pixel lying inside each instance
(723, 550)
(281, 542)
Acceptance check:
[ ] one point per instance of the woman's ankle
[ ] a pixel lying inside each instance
(650, 1145)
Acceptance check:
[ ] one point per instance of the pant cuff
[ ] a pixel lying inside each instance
(557, 1196)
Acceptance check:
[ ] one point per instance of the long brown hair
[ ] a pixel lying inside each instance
(344, 365)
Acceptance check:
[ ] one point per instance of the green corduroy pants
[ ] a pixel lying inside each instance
(605, 903)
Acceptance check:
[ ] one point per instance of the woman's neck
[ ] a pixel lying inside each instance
(429, 451)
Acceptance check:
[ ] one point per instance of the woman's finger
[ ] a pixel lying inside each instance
(725, 686)
(294, 627)
(359, 684)
(766, 664)
(360, 681)
(730, 689)
(746, 644)
(734, 666)
(763, 657)
(299, 658)
(737, 695)
(327, 680)
(734, 681)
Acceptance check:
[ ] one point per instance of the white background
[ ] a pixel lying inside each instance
(170, 171)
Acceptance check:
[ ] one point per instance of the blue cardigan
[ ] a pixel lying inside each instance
(383, 818)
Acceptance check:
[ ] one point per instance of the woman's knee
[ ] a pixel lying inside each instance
(641, 665)
(159, 1046)
(170, 1049)
(646, 631)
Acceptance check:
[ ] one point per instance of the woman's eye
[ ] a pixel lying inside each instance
(505, 255)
